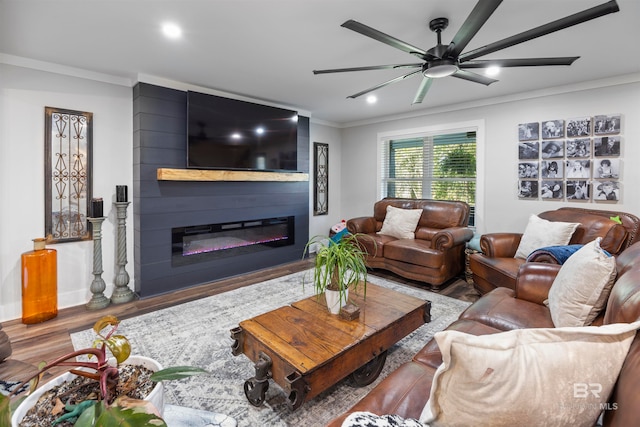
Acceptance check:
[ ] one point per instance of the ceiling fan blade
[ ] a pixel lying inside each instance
(520, 62)
(425, 84)
(381, 85)
(372, 67)
(473, 77)
(386, 39)
(560, 24)
(476, 19)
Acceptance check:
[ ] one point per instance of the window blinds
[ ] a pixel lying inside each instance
(439, 167)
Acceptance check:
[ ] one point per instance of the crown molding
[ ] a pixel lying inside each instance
(19, 61)
(556, 90)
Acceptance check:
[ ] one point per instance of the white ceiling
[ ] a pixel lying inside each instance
(267, 49)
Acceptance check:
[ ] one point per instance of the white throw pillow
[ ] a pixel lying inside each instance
(541, 233)
(527, 377)
(400, 223)
(581, 289)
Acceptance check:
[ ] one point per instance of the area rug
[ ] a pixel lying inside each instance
(197, 333)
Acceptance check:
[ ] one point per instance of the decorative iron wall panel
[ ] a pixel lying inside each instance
(68, 161)
(321, 179)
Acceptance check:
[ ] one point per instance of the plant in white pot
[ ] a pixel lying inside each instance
(98, 390)
(338, 266)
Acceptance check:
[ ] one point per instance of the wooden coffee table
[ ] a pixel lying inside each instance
(306, 350)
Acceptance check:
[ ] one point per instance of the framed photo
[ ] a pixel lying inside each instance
(527, 189)
(552, 190)
(552, 169)
(606, 146)
(580, 126)
(528, 150)
(553, 129)
(578, 190)
(578, 169)
(578, 147)
(528, 131)
(606, 125)
(528, 170)
(606, 190)
(552, 149)
(606, 168)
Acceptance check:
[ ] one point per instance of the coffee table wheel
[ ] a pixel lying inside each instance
(368, 373)
(255, 388)
(255, 391)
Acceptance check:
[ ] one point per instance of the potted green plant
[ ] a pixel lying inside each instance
(339, 265)
(111, 407)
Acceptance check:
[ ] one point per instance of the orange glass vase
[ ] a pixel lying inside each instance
(39, 283)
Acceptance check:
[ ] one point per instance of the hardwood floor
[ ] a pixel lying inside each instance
(33, 344)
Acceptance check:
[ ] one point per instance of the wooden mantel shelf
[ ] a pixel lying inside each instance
(167, 174)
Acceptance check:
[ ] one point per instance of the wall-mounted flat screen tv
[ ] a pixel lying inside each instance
(226, 133)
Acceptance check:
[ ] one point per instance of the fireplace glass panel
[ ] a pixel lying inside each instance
(202, 243)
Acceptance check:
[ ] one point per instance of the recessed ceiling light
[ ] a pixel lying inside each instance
(494, 70)
(372, 99)
(171, 30)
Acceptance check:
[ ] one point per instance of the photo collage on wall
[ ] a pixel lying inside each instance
(576, 159)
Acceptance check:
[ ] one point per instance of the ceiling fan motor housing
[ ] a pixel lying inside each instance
(436, 64)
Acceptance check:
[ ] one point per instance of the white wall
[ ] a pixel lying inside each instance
(503, 211)
(320, 224)
(24, 92)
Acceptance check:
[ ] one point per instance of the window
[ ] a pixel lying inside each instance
(439, 166)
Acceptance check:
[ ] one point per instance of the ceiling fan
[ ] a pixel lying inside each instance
(449, 60)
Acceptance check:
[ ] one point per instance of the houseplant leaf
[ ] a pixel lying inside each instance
(119, 347)
(5, 413)
(116, 417)
(103, 322)
(123, 412)
(176, 373)
(88, 416)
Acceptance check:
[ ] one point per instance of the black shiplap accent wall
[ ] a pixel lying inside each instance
(159, 141)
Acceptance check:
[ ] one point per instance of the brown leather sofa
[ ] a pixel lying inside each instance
(496, 266)
(435, 256)
(406, 390)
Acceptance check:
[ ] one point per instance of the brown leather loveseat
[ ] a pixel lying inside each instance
(434, 256)
(496, 265)
(406, 390)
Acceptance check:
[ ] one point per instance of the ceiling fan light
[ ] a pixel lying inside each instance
(440, 68)
(491, 71)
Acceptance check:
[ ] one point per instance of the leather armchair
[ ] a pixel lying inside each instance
(496, 266)
(434, 256)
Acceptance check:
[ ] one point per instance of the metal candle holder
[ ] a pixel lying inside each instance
(121, 292)
(98, 300)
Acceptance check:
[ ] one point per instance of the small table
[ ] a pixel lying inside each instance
(306, 350)
(468, 274)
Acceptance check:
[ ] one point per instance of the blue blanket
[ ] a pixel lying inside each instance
(559, 253)
(338, 236)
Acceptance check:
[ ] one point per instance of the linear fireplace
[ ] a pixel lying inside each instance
(202, 243)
